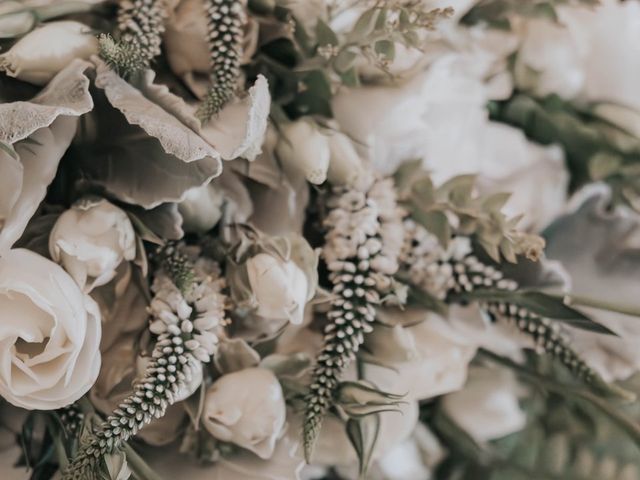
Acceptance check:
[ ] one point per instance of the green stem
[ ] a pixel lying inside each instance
(139, 467)
(600, 304)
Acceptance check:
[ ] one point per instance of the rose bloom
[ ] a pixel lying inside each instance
(487, 407)
(442, 115)
(304, 150)
(49, 331)
(246, 408)
(41, 54)
(90, 240)
(589, 53)
(280, 287)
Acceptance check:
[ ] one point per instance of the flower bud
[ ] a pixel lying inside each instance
(345, 164)
(41, 54)
(303, 149)
(246, 408)
(201, 208)
(280, 287)
(90, 240)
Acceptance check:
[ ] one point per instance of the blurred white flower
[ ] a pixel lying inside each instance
(549, 60)
(246, 408)
(345, 164)
(41, 54)
(442, 116)
(50, 333)
(90, 240)
(304, 150)
(591, 53)
(487, 407)
(201, 208)
(425, 360)
(284, 464)
(280, 287)
(393, 124)
(598, 246)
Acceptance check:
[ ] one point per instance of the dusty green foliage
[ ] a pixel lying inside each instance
(138, 38)
(595, 148)
(567, 436)
(477, 217)
(499, 13)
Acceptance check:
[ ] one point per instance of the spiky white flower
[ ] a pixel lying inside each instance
(361, 252)
(187, 322)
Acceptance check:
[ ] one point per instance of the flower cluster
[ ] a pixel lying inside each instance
(361, 251)
(187, 326)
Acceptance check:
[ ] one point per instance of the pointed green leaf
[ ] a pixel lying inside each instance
(363, 434)
(542, 304)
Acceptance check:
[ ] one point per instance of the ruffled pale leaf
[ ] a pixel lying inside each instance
(39, 156)
(239, 129)
(175, 137)
(66, 95)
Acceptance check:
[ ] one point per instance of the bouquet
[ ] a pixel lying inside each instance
(328, 239)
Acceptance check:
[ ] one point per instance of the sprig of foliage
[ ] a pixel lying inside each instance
(567, 436)
(139, 36)
(476, 216)
(225, 36)
(375, 35)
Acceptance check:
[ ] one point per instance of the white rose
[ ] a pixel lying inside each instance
(590, 54)
(429, 358)
(304, 150)
(50, 332)
(393, 124)
(549, 60)
(41, 54)
(201, 208)
(487, 407)
(280, 288)
(345, 164)
(246, 408)
(90, 240)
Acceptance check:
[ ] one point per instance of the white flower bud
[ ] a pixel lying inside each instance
(41, 54)
(201, 209)
(90, 240)
(246, 408)
(280, 288)
(303, 149)
(345, 164)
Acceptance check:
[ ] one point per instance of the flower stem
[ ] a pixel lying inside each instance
(600, 304)
(139, 466)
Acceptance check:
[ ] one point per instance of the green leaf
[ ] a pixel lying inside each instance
(9, 150)
(344, 60)
(325, 35)
(426, 301)
(545, 305)
(436, 222)
(385, 49)
(363, 434)
(603, 165)
(350, 78)
(365, 24)
(359, 399)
